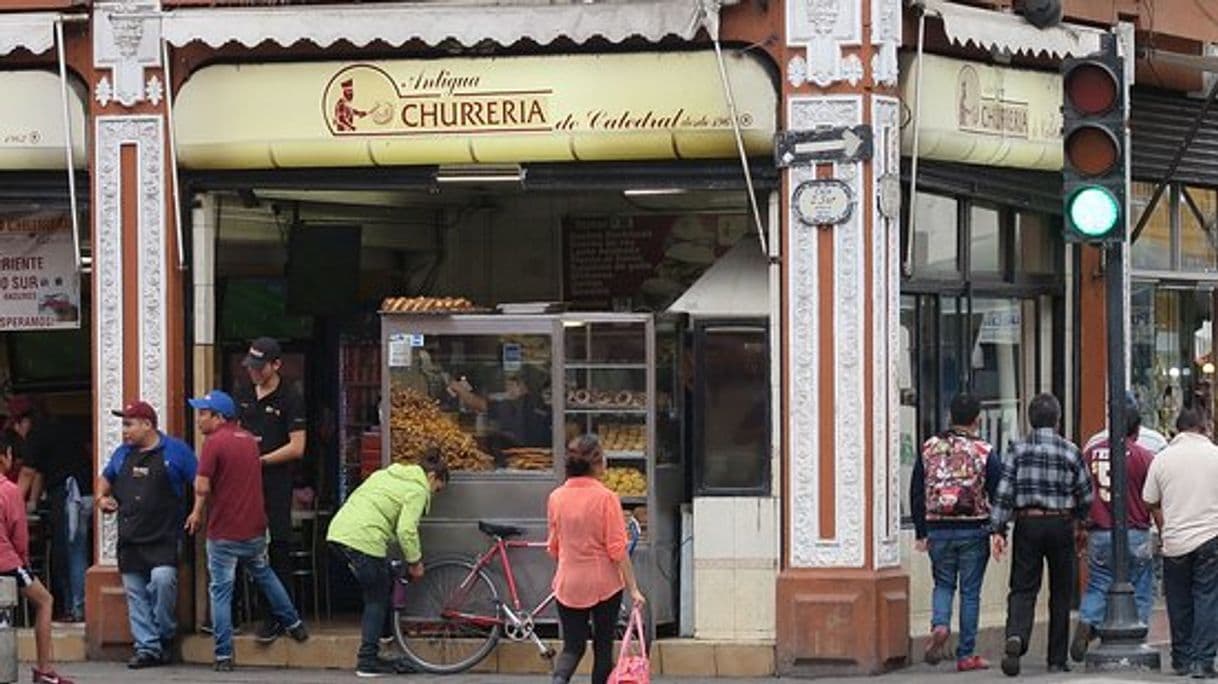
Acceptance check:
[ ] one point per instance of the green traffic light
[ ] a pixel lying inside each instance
(1094, 211)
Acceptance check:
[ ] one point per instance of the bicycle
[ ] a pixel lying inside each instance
(449, 621)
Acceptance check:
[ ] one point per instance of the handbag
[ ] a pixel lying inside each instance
(633, 667)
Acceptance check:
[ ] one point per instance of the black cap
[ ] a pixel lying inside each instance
(262, 351)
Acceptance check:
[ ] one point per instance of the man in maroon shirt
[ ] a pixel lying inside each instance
(1099, 535)
(229, 484)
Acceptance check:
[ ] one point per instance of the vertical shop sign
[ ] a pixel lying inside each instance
(39, 284)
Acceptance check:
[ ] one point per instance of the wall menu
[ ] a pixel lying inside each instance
(39, 282)
(641, 262)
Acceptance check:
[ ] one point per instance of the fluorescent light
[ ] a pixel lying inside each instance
(480, 173)
(652, 192)
(478, 179)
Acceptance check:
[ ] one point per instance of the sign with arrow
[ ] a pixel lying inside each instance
(838, 144)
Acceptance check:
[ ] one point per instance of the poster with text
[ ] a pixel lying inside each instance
(39, 283)
(641, 262)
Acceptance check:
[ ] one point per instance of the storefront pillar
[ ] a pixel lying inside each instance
(842, 598)
(137, 321)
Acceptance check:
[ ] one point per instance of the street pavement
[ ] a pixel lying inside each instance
(116, 673)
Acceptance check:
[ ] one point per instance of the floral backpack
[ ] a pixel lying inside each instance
(954, 465)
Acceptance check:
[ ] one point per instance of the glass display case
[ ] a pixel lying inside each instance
(501, 395)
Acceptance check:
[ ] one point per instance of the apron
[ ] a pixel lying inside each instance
(148, 513)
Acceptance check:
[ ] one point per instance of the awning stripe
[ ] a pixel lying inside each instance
(34, 31)
(397, 24)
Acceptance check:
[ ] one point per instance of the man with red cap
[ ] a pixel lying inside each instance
(145, 483)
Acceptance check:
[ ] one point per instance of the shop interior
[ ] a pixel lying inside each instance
(593, 343)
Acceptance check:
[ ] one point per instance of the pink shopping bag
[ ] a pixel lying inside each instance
(633, 667)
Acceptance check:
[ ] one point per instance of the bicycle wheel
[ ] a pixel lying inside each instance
(447, 625)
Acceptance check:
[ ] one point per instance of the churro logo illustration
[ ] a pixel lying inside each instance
(366, 100)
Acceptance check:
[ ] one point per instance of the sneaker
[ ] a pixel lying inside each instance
(144, 659)
(299, 632)
(1199, 671)
(223, 665)
(269, 632)
(375, 668)
(49, 677)
(937, 647)
(971, 663)
(1011, 653)
(1083, 634)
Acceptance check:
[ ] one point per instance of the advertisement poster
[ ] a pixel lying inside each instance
(39, 283)
(641, 262)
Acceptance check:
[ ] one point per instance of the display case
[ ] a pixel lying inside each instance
(500, 396)
(359, 372)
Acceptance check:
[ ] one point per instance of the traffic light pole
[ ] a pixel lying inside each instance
(1122, 635)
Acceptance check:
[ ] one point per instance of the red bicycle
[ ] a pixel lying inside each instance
(452, 618)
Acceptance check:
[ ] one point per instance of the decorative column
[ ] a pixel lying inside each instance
(137, 298)
(843, 605)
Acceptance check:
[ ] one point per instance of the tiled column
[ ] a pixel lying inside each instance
(843, 603)
(137, 297)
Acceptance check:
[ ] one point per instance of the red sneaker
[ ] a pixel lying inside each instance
(936, 648)
(49, 677)
(973, 662)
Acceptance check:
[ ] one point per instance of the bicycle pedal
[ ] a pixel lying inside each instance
(549, 654)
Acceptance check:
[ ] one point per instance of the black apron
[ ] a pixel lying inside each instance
(149, 514)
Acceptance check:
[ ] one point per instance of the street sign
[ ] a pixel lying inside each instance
(823, 202)
(839, 144)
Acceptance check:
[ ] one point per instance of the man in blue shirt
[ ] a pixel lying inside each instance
(145, 483)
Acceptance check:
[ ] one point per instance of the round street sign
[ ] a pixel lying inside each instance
(823, 202)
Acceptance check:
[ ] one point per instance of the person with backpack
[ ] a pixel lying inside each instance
(949, 495)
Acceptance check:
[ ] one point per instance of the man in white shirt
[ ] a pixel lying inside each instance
(1182, 498)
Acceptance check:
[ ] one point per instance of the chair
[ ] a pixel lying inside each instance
(310, 573)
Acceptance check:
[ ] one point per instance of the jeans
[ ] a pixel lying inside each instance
(375, 580)
(1191, 582)
(71, 554)
(575, 635)
(151, 604)
(1035, 542)
(222, 558)
(1094, 605)
(959, 556)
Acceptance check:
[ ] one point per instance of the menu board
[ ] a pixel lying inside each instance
(641, 262)
(39, 283)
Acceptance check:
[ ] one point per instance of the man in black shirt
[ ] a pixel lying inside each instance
(55, 460)
(274, 411)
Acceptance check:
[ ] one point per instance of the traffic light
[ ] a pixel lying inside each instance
(1093, 146)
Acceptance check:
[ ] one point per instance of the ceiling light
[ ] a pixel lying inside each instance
(480, 173)
(652, 192)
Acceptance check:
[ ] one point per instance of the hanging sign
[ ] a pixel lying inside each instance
(39, 283)
(823, 202)
(827, 144)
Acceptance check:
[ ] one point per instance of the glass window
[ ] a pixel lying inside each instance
(1198, 211)
(997, 363)
(935, 242)
(907, 366)
(985, 240)
(733, 433)
(1153, 247)
(1036, 242)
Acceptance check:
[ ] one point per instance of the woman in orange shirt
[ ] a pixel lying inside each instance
(588, 539)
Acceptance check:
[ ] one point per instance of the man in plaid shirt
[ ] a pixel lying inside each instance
(1046, 488)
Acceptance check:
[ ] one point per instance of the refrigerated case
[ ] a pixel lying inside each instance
(501, 395)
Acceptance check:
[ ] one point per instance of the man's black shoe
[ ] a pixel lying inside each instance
(1010, 656)
(143, 660)
(269, 632)
(1059, 667)
(1082, 642)
(375, 668)
(1198, 671)
(1179, 670)
(223, 665)
(298, 631)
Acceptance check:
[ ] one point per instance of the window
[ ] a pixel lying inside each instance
(1152, 249)
(731, 430)
(936, 236)
(1198, 215)
(1181, 233)
(985, 240)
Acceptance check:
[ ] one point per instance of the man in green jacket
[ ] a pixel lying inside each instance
(387, 506)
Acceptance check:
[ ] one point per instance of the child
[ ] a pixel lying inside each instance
(15, 563)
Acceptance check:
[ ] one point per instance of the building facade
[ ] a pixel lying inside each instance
(202, 134)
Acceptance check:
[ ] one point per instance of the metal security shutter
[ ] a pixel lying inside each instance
(1158, 123)
(1036, 190)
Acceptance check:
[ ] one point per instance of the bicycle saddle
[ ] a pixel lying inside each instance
(501, 531)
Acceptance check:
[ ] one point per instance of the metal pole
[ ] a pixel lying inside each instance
(67, 137)
(1122, 635)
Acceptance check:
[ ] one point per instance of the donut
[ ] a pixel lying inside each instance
(582, 397)
(623, 398)
(571, 397)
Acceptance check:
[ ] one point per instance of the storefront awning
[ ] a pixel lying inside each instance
(640, 106)
(400, 23)
(990, 30)
(33, 31)
(31, 130)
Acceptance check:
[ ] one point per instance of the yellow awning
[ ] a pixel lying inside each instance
(31, 127)
(471, 110)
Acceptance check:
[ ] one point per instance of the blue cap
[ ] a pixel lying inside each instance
(218, 401)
